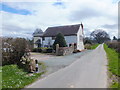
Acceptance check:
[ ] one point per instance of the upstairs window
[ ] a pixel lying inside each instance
(53, 38)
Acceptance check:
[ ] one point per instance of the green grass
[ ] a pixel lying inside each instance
(94, 46)
(13, 77)
(113, 60)
(112, 56)
(89, 46)
(114, 85)
(0, 77)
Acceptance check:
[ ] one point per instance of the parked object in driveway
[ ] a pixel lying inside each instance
(36, 66)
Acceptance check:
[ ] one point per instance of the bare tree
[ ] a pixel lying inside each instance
(100, 36)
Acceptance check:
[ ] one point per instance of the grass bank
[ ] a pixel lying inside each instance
(112, 56)
(0, 77)
(89, 46)
(13, 77)
(94, 46)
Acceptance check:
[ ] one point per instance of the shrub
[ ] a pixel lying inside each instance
(43, 50)
(34, 50)
(49, 50)
(13, 50)
(114, 45)
(87, 40)
(59, 40)
(87, 46)
(39, 50)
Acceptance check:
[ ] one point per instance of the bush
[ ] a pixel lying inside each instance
(43, 50)
(87, 46)
(114, 45)
(59, 40)
(39, 50)
(13, 49)
(49, 50)
(87, 40)
(34, 50)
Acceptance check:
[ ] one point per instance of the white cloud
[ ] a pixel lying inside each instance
(45, 14)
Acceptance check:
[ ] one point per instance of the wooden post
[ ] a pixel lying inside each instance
(57, 49)
(72, 45)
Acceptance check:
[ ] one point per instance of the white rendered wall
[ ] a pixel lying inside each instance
(80, 45)
(70, 39)
(48, 40)
(35, 39)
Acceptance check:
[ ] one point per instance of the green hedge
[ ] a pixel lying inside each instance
(43, 50)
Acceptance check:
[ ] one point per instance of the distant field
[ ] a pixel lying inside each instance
(13, 77)
(112, 62)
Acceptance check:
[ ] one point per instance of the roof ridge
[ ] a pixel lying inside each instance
(64, 25)
(65, 30)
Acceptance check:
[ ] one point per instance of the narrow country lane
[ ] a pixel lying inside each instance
(88, 71)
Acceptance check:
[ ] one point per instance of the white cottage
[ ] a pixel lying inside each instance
(73, 34)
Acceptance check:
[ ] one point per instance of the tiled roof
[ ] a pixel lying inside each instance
(65, 30)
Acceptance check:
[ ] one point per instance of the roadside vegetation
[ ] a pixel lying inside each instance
(94, 46)
(97, 37)
(0, 77)
(89, 46)
(14, 77)
(18, 68)
(43, 50)
(113, 66)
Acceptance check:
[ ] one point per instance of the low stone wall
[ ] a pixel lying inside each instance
(61, 51)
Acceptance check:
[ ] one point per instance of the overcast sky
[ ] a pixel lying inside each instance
(21, 18)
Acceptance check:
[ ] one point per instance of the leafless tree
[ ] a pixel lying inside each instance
(100, 36)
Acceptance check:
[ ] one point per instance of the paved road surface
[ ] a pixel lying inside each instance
(88, 71)
(55, 63)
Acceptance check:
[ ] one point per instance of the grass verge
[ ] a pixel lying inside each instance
(89, 46)
(13, 77)
(94, 46)
(112, 56)
(0, 77)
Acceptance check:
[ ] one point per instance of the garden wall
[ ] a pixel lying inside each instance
(61, 51)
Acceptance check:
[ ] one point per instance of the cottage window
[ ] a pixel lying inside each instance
(43, 38)
(53, 38)
(70, 45)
